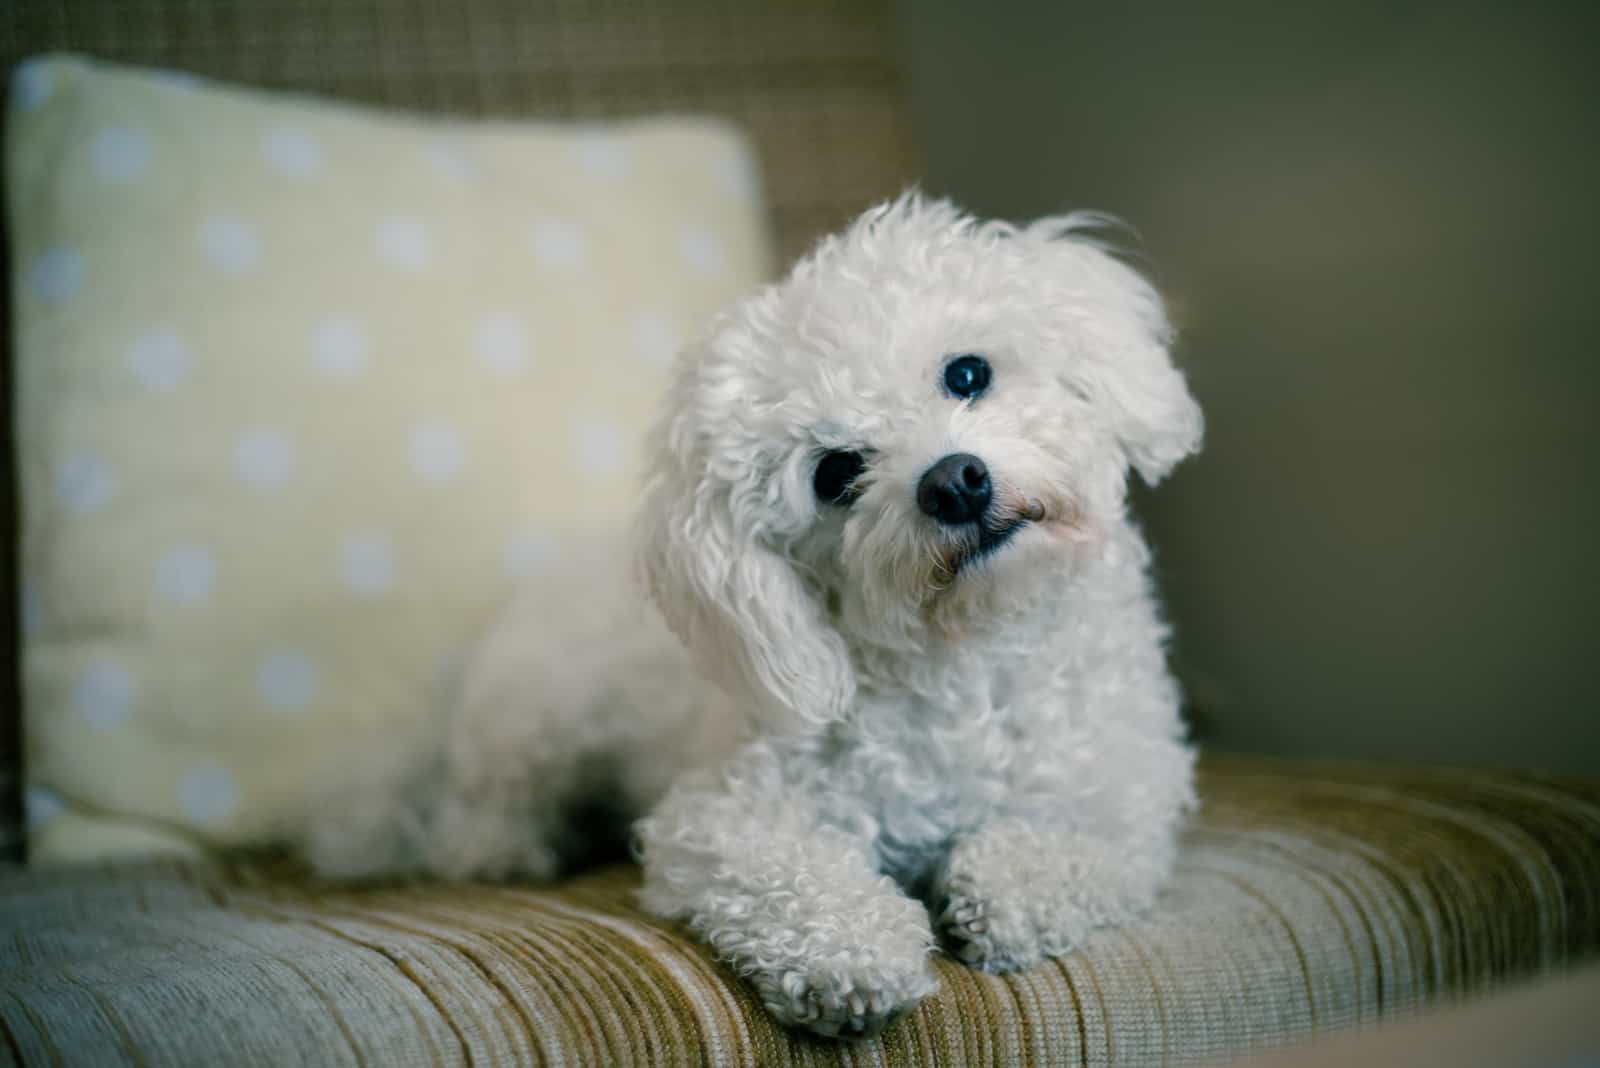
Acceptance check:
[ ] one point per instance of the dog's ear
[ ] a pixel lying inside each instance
(737, 603)
(1125, 370)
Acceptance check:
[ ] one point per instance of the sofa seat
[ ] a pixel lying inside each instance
(1308, 899)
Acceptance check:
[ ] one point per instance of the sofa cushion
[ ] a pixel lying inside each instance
(1306, 900)
(814, 82)
(301, 389)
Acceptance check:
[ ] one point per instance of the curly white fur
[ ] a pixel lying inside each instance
(881, 739)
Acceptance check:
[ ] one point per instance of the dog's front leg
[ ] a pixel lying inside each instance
(1014, 892)
(797, 907)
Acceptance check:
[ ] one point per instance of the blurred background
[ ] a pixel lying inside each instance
(1376, 225)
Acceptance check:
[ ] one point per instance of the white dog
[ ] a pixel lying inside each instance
(887, 518)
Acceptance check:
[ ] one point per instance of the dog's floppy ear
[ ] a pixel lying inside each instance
(1126, 370)
(737, 603)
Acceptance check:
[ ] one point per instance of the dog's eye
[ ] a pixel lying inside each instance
(967, 376)
(834, 481)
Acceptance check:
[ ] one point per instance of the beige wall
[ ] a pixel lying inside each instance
(1378, 229)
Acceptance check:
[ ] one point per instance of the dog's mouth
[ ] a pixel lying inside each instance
(992, 537)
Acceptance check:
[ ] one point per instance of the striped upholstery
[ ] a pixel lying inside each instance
(1308, 899)
(812, 81)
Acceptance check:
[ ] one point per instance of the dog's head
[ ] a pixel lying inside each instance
(897, 443)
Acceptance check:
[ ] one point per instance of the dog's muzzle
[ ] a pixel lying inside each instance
(958, 493)
(956, 490)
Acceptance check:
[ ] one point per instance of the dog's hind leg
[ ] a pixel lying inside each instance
(565, 722)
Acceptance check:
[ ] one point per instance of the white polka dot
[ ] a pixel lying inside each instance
(120, 155)
(502, 343)
(84, 484)
(264, 458)
(558, 244)
(31, 85)
(603, 156)
(286, 679)
(340, 347)
(366, 563)
(230, 244)
(599, 446)
(207, 794)
(737, 175)
(159, 359)
(701, 249)
(292, 152)
(40, 805)
(185, 574)
(528, 552)
(451, 161)
(103, 695)
(654, 339)
(403, 243)
(437, 452)
(56, 275)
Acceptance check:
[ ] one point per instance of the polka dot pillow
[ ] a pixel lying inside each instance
(293, 383)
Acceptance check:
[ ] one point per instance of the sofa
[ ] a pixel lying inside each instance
(1309, 899)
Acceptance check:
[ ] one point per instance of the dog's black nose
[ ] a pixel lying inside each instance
(955, 490)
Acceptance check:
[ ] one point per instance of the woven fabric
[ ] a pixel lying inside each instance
(1307, 900)
(811, 81)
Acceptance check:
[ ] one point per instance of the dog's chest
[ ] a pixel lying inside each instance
(927, 775)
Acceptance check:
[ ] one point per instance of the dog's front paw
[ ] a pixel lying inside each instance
(1011, 895)
(983, 932)
(964, 923)
(842, 1005)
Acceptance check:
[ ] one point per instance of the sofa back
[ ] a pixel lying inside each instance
(812, 81)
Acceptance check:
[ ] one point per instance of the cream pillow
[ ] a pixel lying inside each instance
(299, 390)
